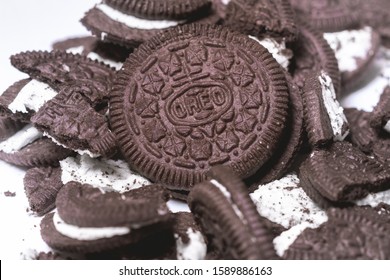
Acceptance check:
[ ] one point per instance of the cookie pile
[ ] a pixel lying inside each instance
(229, 106)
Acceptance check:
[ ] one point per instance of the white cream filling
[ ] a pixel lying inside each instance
(80, 152)
(225, 2)
(106, 174)
(87, 233)
(333, 107)
(95, 56)
(195, 249)
(226, 193)
(387, 127)
(285, 203)
(374, 199)
(278, 50)
(32, 96)
(20, 139)
(134, 22)
(286, 238)
(349, 46)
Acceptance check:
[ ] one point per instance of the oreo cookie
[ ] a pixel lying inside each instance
(28, 148)
(91, 221)
(229, 218)
(364, 136)
(328, 15)
(380, 117)
(123, 23)
(341, 174)
(324, 117)
(352, 233)
(9, 127)
(41, 186)
(232, 112)
(289, 143)
(108, 53)
(354, 49)
(262, 18)
(312, 53)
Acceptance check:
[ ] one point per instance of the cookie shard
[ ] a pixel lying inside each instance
(8, 97)
(70, 120)
(342, 174)
(264, 17)
(41, 185)
(166, 10)
(324, 117)
(350, 233)
(229, 218)
(57, 68)
(380, 117)
(200, 124)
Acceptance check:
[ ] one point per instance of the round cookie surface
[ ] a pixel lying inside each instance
(194, 97)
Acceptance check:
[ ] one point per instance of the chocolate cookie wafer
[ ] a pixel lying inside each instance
(313, 53)
(8, 106)
(324, 117)
(351, 233)
(41, 185)
(119, 21)
(262, 18)
(341, 174)
(328, 15)
(380, 117)
(289, 143)
(229, 218)
(28, 148)
(194, 97)
(91, 221)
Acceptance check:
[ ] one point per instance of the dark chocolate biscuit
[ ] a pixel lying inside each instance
(120, 30)
(194, 97)
(262, 18)
(91, 45)
(91, 221)
(183, 240)
(312, 53)
(324, 118)
(229, 218)
(368, 139)
(70, 120)
(289, 145)
(42, 152)
(376, 13)
(328, 15)
(352, 233)
(76, 204)
(341, 174)
(8, 97)
(57, 68)
(41, 186)
(161, 9)
(380, 117)
(9, 127)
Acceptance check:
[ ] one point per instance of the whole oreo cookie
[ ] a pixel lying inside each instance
(194, 97)
(229, 218)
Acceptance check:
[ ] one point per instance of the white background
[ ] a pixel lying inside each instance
(35, 25)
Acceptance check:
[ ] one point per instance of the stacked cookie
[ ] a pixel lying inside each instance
(230, 106)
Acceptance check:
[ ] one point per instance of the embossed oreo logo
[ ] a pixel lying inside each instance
(199, 104)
